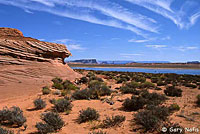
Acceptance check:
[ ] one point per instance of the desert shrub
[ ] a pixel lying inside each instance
(52, 123)
(98, 132)
(13, 116)
(57, 83)
(95, 84)
(154, 79)
(95, 78)
(133, 84)
(105, 90)
(160, 112)
(160, 83)
(151, 118)
(83, 80)
(174, 107)
(52, 101)
(121, 80)
(67, 85)
(152, 98)
(5, 131)
(147, 85)
(58, 86)
(128, 90)
(90, 74)
(191, 85)
(39, 103)
(147, 120)
(134, 104)
(64, 92)
(89, 114)
(94, 92)
(139, 79)
(158, 88)
(82, 94)
(57, 80)
(62, 105)
(173, 91)
(198, 100)
(114, 121)
(46, 90)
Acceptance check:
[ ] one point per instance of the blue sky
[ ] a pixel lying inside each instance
(138, 30)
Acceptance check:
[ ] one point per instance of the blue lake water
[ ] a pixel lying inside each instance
(145, 70)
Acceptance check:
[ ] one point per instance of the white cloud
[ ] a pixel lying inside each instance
(186, 48)
(138, 41)
(71, 44)
(194, 18)
(156, 46)
(163, 7)
(166, 38)
(28, 11)
(75, 47)
(115, 15)
(63, 41)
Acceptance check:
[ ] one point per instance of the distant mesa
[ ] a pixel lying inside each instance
(193, 62)
(27, 63)
(85, 61)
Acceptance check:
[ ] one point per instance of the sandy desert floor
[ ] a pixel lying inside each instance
(190, 112)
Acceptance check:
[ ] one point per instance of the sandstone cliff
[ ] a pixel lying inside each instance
(27, 64)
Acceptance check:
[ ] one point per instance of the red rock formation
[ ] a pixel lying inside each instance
(27, 64)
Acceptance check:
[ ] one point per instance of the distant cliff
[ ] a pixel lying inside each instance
(27, 63)
(85, 61)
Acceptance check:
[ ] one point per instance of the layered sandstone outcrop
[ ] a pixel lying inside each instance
(27, 64)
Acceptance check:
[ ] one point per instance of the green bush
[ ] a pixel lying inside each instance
(95, 84)
(158, 88)
(52, 123)
(154, 79)
(174, 107)
(83, 80)
(152, 98)
(160, 112)
(160, 83)
(58, 86)
(5, 131)
(121, 80)
(13, 116)
(152, 117)
(114, 121)
(191, 85)
(82, 94)
(139, 79)
(67, 85)
(89, 114)
(46, 90)
(128, 90)
(57, 80)
(147, 85)
(39, 103)
(198, 100)
(147, 120)
(94, 92)
(62, 105)
(173, 91)
(134, 104)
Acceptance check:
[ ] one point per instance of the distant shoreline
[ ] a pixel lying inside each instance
(141, 65)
